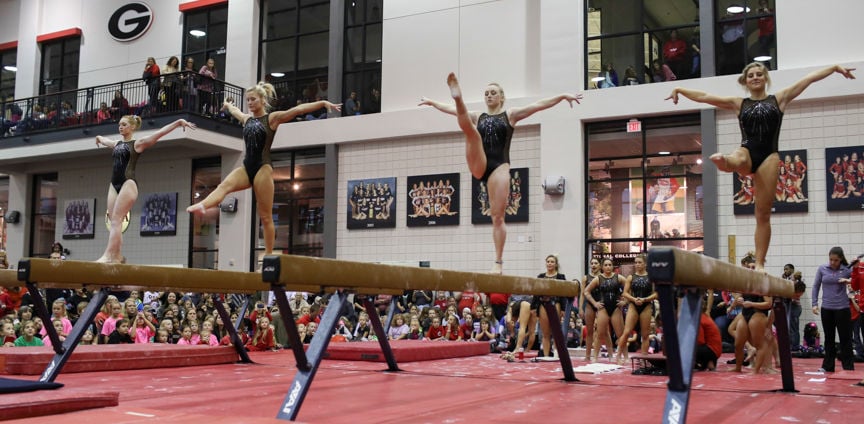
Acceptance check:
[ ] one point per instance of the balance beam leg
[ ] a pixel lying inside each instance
(303, 379)
(782, 325)
(56, 365)
(560, 342)
(45, 315)
(679, 352)
(380, 333)
(232, 332)
(291, 327)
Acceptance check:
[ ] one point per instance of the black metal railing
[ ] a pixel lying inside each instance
(182, 92)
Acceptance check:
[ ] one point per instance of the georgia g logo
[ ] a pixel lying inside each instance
(130, 21)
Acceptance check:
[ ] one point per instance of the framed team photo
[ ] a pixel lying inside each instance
(432, 200)
(159, 214)
(372, 203)
(791, 194)
(844, 178)
(78, 219)
(517, 203)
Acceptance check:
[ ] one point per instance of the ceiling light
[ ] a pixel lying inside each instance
(663, 153)
(735, 9)
(699, 161)
(10, 68)
(296, 186)
(197, 33)
(762, 58)
(277, 74)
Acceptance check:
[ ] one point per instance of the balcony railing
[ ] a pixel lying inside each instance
(182, 92)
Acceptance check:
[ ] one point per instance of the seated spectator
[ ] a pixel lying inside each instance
(28, 335)
(208, 338)
(8, 335)
(311, 329)
(185, 336)
(414, 330)
(263, 338)
(121, 335)
(351, 106)
(361, 332)
(163, 337)
(58, 326)
(452, 332)
(610, 77)
(104, 114)
(89, 337)
(119, 105)
(485, 334)
(343, 328)
(630, 77)
(661, 72)
(144, 329)
(398, 328)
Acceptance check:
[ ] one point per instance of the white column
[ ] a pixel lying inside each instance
(18, 235)
(29, 56)
(234, 243)
(241, 56)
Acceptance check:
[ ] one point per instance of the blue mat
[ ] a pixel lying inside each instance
(10, 385)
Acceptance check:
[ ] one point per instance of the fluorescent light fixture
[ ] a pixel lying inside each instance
(197, 33)
(737, 9)
(10, 68)
(699, 161)
(762, 58)
(277, 74)
(597, 79)
(664, 153)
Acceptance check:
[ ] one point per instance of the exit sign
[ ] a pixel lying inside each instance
(634, 125)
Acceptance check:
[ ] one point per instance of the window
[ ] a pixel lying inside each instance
(644, 188)
(44, 214)
(646, 43)
(362, 54)
(205, 32)
(8, 70)
(745, 33)
(204, 252)
(294, 50)
(298, 204)
(60, 67)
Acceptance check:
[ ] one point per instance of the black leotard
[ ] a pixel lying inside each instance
(496, 133)
(258, 137)
(760, 122)
(535, 304)
(641, 287)
(748, 312)
(610, 290)
(125, 159)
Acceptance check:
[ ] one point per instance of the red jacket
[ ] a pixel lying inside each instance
(674, 50)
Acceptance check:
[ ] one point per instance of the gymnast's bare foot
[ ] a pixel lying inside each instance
(497, 268)
(197, 209)
(108, 260)
(721, 161)
(453, 83)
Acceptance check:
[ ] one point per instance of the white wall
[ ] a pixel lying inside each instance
(826, 32)
(424, 41)
(9, 22)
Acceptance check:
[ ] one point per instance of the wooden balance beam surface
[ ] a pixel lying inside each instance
(290, 269)
(53, 273)
(671, 264)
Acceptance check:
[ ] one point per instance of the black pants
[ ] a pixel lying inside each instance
(704, 355)
(841, 320)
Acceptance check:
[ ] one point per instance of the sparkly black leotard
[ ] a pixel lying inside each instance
(496, 133)
(610, 290)
(641, 287)
(748, 312)
(125, 159)
(760, 122)
(258, 137)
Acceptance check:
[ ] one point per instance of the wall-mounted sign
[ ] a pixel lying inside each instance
(130, 21)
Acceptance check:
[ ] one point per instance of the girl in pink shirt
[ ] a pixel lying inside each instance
(144, 329)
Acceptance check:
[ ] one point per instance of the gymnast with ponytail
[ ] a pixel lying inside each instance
(259, 128)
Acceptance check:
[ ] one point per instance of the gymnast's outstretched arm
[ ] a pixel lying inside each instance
(517, 114)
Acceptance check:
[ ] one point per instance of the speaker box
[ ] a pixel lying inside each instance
(13, 217)
(229, 205)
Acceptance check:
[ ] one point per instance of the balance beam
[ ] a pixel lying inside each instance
(290, 269)
(53, 273)
(669, 266)
(682, 267)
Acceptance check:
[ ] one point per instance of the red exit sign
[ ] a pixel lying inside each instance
(634, 125)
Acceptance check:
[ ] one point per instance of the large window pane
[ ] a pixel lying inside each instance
(8, 66)
(280, 56)
(205, 228)
(353, 48)
(313, 51)
(315, 18)
(373, 43)
(745, 32)
(281, 24)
